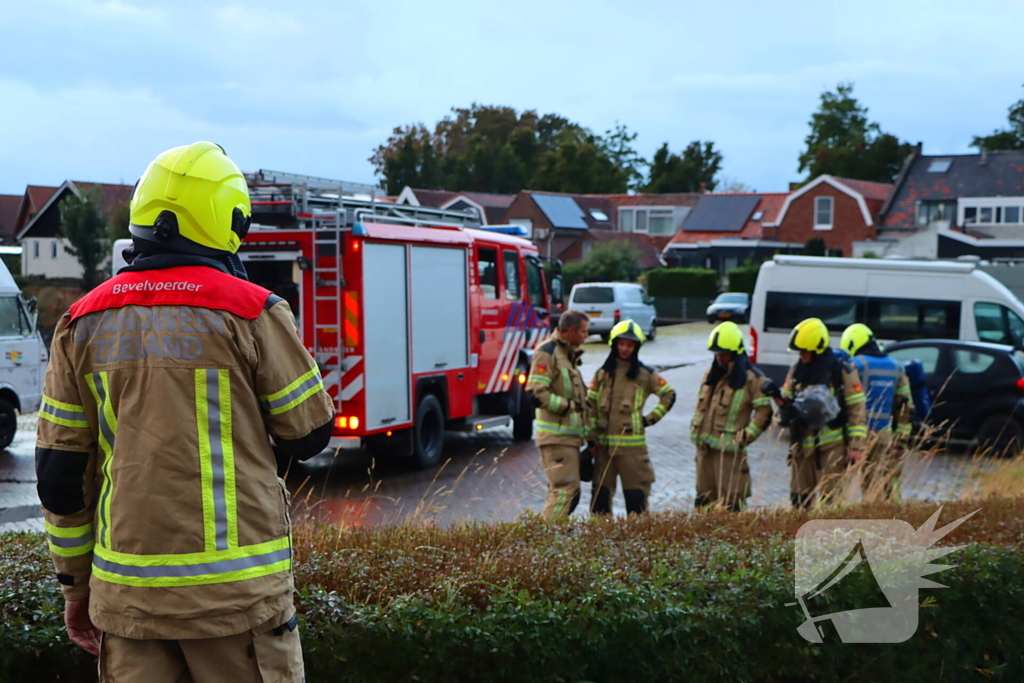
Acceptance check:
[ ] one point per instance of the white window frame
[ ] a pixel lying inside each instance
(671, 220)
(636, 222)
(831, 213)
(993, 203)
(647, 218)
(632, 219)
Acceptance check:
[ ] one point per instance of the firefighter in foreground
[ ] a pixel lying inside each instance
(617, 396)
(560, 395)
(822, 403)
(732, 410)
(890, 408)
(166, 521)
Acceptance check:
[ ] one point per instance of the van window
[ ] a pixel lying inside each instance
(12, 320)
(511, 259)
(783, 310)
(913, 318)
(998, 324)
(534, 283)
(487, 266)
(593, 295)
(633, 295)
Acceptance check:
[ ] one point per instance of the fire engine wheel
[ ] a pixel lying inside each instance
(8, 424)
(428, 434)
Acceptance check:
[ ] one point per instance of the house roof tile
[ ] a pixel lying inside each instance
(769, 205)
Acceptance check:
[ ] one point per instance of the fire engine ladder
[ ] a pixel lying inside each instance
(329, 283)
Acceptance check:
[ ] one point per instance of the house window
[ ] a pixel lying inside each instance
(929, 212)
(659, 222)
(625, 220)
(641, 220)
(822, 213)
(35, 248)
(53, 249)
(1012, 214)
(587, 246)
(992, 211)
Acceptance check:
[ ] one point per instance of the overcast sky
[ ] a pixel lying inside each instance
(93, 90)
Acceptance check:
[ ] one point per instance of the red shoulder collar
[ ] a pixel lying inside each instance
(197, 286)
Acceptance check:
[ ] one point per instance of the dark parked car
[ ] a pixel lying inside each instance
(734, 306)
(977, 389)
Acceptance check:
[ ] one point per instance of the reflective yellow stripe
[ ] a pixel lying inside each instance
(193, 569)
(294, 394)
(621, 440)
(763, 401)
(555, 403)
(858, 431)
(227, 444)
(659, 410)
(734, 410)
(854, 399)
(216, 458)
(903, 429)
(753, 430)
(539, 379)
(556, 428)
(69, 541)
(100, 387)
(663, 390)
(64, 414)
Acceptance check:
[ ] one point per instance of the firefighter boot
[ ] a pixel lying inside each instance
(601, 501)
(636, 501)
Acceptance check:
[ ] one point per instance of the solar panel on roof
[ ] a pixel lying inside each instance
(562, 212)
(721, 213)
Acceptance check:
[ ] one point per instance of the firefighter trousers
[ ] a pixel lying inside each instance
(882, 468)
(723, 476)
(817, 470)
(633, 466)
(262, 655)
(562, 469)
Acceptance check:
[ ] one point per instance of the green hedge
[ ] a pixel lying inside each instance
(743, 279)
(682, 282)
(670, 598)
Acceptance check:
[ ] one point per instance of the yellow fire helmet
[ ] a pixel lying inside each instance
(627, 329)
(726, 336)
(855, 337)
(192, 199)
(809, 335)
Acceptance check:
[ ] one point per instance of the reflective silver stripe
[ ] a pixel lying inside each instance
(198, 569)
(220, 503)
(76, 542)
(293, 394)
(108, 434)
(73, 416)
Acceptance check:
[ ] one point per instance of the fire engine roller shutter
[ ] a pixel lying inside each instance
(386, 335)
(440, 340)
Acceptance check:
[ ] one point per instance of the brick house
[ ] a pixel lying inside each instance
(946, 206)
(841, 211)
(43, 251)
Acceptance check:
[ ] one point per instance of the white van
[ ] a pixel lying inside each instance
(23, 357)
(609, 302)
(117, 261)
(897, 299)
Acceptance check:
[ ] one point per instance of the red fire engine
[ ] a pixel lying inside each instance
(420, 322)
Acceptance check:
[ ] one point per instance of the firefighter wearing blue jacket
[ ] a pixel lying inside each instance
(890, 408)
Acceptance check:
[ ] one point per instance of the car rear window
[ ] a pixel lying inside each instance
(971, 362)
(593, 295)
(731, 299)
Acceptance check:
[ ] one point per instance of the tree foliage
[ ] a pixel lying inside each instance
(117, 224)
(1011, 138)
(843, 142)
(814, 247)
(489, 148)
(610, 262)
(82, 223)
(692, 171)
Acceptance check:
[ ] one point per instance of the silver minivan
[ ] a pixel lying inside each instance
(609, 302)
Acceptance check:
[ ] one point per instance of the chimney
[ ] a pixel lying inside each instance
(794, 186)
(703, 187)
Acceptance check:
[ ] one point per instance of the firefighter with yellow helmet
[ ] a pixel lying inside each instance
(732, 410)
(173, 391)
(822, 403)
(617, 395)
(890, 408)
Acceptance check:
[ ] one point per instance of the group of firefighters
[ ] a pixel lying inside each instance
(845, 407)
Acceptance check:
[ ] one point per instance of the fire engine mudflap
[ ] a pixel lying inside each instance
(417, 329)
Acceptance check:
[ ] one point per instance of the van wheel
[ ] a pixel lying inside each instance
(1003, 435)
(653, 334)
(8, 424)
(428, 433)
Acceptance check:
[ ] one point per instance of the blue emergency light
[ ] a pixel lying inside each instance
(514, 230)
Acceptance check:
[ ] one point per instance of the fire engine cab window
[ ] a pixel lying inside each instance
(534, 283)
(487, 265)
(511, 275)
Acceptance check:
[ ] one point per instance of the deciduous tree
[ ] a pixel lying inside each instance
(82, 223)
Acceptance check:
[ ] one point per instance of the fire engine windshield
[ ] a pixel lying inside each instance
(12, 318)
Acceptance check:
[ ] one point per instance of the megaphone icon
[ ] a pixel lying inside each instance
(819, 611)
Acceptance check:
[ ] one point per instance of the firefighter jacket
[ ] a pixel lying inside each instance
(732, 409)
(617, 403)
(156, 473)
(840, 375)
(889, 403)
(559, 394)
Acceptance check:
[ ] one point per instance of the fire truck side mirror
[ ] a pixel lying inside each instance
(304, 263)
